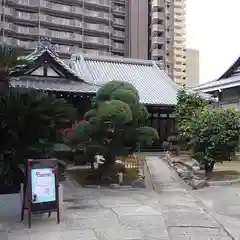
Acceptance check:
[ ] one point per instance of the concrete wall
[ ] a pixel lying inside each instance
(229, 98)
(138, 28)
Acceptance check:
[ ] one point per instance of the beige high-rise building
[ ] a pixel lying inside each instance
(192, 67)
(180, 41)
(147, 29)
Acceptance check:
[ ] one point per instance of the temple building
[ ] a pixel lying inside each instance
(226, 88)
(78, 82)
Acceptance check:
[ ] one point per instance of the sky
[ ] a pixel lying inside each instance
(213, 29)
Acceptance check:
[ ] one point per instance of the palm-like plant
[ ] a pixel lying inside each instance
(30, 125)
(10, 57)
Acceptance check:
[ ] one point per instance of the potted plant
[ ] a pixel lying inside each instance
(11, 179)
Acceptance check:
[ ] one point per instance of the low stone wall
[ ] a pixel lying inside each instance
(186, 170)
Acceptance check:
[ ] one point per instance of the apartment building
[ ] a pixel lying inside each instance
(89, 26)
(157, 31)
(179, 42)
(146, 29)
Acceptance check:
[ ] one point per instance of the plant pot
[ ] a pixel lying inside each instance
(10, 206)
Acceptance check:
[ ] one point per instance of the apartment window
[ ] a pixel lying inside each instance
(178, 34)
(159, 46)
(168, 42)
(65, 8)
(25, 2)
(25, 15)
(34, 2)
(159, 21)
(160, 34)
(160, 9)
(160, 58)
(23, 29)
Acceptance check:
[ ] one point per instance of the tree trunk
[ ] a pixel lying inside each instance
(92, 164)
(4, 84)
(209, 169)
(109, 159)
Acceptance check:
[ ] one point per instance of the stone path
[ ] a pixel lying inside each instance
(184, 214)
(169, 213)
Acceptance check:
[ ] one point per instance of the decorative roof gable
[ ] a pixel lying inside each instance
(234, 70)
(46, 63)
(46, 71)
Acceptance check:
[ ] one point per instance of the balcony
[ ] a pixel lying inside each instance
(179, 16)
(179, 37)
(9, 26)
(97, 40)
(180, 44)
(119, 21)
(158, 15)
(96, 52)
(118, 46)
(180, 3)
(158, 52)
(7, 11)
(97, 27)
(158, 28)
(67, 9)
(157, 3)
(179, 10)
(156, 40)
(71, 23)
(106, 3)
(96, 14)
(120, 34)
(119, 10)
(180, 24)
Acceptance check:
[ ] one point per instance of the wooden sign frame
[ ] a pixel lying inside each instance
(38, 171)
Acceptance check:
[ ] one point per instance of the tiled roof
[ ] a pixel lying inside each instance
(218, 84)
(153, 84)
(50, 85)
(230, 78)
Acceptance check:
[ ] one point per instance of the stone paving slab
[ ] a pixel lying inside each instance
(63, 235)
(92, 223)
(118, 233)
(135, 211)
(181, 218)
(197, 234)
(117, 201)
